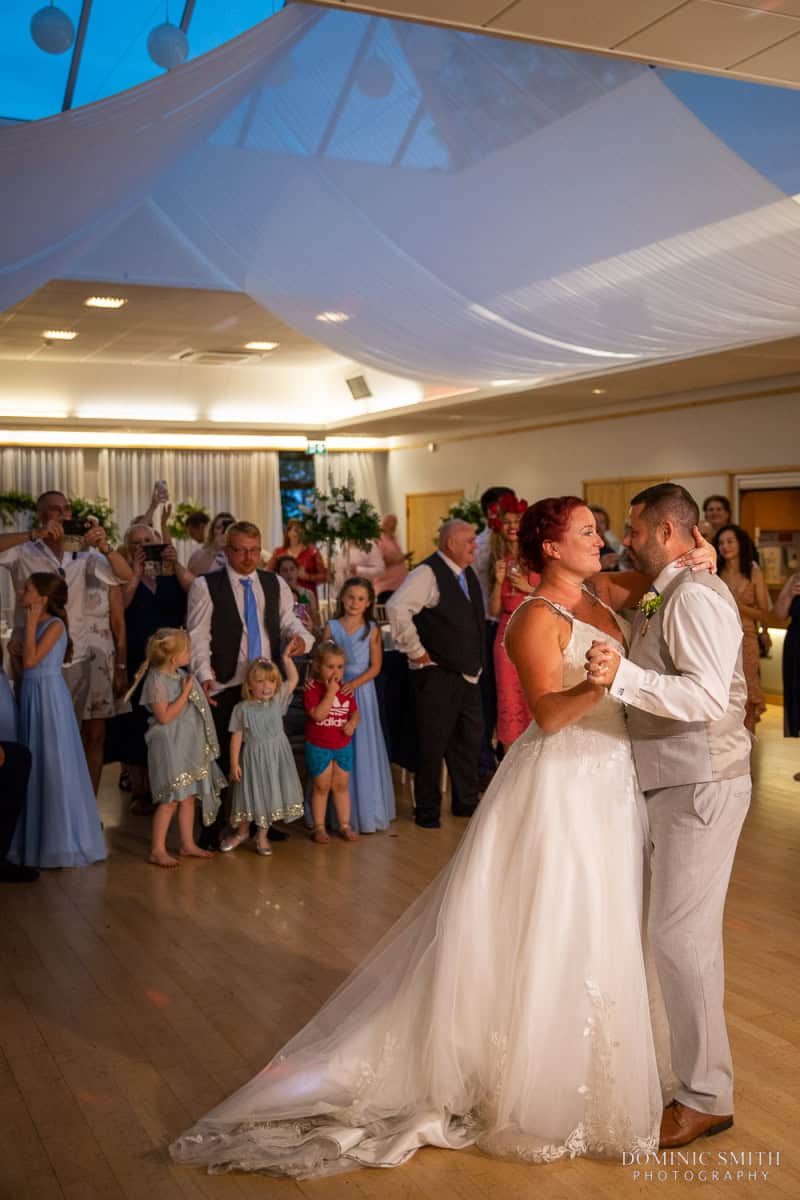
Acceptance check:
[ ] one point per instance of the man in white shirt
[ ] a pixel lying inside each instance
(237, 614)
(42, 549)
(684, 691)
(436, 616)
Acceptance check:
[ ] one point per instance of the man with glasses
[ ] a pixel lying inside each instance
(237, 614)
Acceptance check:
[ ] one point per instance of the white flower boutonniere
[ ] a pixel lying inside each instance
(649, 605)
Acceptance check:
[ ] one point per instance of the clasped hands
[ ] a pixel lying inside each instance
(602, 663)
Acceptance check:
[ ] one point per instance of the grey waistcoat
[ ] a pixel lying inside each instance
(670, 753)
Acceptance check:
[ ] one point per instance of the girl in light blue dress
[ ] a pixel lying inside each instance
(266, 786)
(356, 632)
(59, 825)
(181, 746)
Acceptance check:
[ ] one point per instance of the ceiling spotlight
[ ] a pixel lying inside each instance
(598, 391)
(261, 345)
(104, 302)
(52, 30)
(59, 335)
(332, 318)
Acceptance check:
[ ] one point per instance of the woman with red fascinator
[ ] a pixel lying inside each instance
(509, 584)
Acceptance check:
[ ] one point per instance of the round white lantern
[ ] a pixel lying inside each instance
(52, 30)
(167, 45)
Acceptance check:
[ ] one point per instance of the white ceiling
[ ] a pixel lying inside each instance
(748, 39)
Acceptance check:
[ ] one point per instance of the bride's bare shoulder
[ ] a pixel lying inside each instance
(535, 619)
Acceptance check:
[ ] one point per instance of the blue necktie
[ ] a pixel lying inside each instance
(251, 620)
(462, 583)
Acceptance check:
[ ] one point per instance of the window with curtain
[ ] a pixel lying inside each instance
(296, 480)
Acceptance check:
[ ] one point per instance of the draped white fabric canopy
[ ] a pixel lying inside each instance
(476, 209)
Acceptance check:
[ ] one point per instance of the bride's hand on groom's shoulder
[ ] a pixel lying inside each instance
(602, 663)
(703, 557)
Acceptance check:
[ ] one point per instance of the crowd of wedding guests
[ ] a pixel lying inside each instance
(208, 682)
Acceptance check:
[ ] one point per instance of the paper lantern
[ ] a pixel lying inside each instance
(167, 45)
(52, 30)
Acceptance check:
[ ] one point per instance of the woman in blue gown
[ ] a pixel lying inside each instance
(59, 826)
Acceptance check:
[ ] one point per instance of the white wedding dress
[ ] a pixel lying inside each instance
(508, 1008)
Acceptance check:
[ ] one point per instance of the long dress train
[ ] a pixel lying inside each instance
(508, 1007)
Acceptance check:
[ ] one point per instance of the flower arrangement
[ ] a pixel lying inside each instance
(12, 503)
(467, 509)
(337, 516)
(100, 509)
(177, 523)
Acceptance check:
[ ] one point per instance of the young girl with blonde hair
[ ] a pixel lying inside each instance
(266, 786)
(331, 719)
(181, 745)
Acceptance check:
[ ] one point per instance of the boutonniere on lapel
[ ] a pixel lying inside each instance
(649, 605)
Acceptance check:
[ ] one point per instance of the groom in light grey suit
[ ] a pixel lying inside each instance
(684, 692)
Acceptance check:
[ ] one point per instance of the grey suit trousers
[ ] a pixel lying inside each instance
(694, 830)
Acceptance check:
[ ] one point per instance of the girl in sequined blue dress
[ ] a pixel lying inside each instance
(181, 745)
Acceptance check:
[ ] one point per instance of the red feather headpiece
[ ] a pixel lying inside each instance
(507, 503)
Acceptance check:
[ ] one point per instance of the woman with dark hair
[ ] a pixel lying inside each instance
(738, 569)
(310, 567)
(716, 513)
(508, 1008)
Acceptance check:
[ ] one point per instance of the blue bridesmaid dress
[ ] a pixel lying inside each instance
(59, 826)
(372, 802)
(8, 710)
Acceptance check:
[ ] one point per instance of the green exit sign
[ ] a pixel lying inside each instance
(316, 448)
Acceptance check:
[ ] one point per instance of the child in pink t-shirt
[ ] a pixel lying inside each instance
(331, 718)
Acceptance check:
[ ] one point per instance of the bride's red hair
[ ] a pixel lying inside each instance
(545, 521)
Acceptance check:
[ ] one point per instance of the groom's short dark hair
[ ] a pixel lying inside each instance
(668, 500)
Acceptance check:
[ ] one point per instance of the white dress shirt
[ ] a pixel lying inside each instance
(420, 590)
(355, 561)
(703, 635)
(480, 565)
(198, 624)
(26, 558)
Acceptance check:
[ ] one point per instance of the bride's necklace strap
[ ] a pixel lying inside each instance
(561, 609)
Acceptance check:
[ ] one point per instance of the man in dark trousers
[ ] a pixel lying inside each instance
(437, 620)
(237, 614)
(15, 768)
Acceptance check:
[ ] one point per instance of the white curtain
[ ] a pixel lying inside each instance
(368, 472)
(28, 469)
(245, 483)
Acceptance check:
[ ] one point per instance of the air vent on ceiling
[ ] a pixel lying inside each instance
(216, 358)
(359, 388)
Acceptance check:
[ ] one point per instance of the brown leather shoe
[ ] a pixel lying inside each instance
(680, 1125)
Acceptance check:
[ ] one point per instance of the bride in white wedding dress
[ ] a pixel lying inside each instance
(509, 1007)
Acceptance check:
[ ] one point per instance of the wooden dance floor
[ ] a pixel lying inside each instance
(133, 999)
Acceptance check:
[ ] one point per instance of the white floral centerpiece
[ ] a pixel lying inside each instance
(338, 517)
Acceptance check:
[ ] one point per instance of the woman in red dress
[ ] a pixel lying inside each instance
(310, 567)
(509, 584)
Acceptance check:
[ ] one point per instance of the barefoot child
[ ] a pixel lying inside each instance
(181, 745)
(266, 784)
(331, 719)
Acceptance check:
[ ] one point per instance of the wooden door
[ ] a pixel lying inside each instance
(770, 508)
(425, 512)
(614, 495)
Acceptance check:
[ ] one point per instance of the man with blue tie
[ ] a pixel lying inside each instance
(437, 620)
(234, 615)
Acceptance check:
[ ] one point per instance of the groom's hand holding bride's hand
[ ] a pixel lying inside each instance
(602, 662)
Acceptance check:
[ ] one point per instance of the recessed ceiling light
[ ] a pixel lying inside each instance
(332, 318)
(598, 391)
(104, 302)
(503, 382)
(59, 335)
(261, 345)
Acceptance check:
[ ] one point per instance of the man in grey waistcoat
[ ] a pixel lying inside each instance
(685, 692)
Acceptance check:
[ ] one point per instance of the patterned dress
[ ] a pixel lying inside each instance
(181, 754)
(270, 787)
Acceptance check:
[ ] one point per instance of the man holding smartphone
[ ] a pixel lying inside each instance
(43, 549)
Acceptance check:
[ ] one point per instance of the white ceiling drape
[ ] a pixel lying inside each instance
(475, 209)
